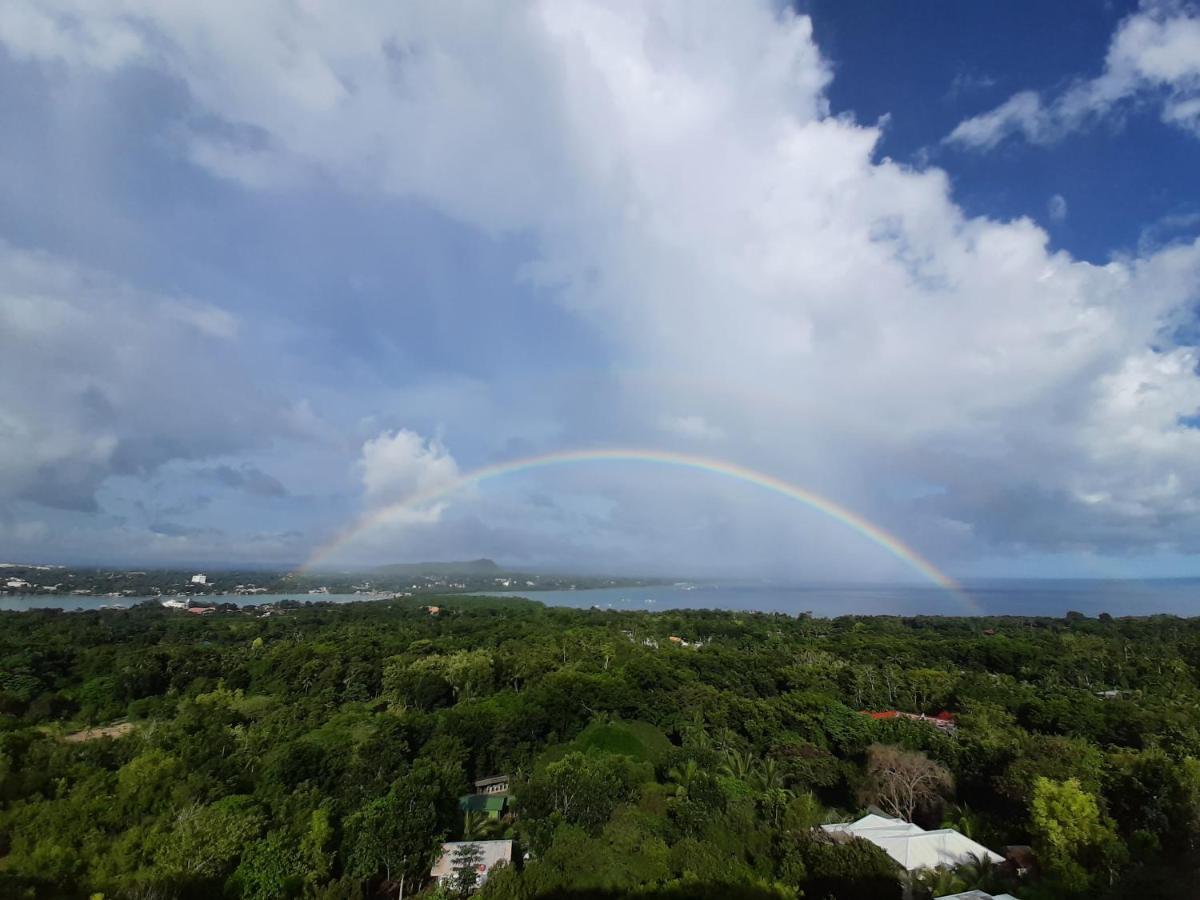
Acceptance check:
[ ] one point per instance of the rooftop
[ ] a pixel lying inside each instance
(494, 853)
(911, 846)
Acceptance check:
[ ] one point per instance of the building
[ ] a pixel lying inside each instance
(492, 806)
(496, 784)
(976, 895)
(200, 579)
(943, 720)
(495, 853)
(911, 846)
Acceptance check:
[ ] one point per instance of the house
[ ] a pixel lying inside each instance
(975, 895)
(201, 610)
(199, 579)
(496, 784)
(493, 806)
(943, 720)
(494, 853)
(911, 846)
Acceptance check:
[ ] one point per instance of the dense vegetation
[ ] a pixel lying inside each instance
(321, 752)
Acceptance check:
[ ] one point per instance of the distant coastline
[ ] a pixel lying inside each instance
(1027, 597)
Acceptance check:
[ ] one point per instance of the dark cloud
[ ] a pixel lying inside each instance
(246, 477)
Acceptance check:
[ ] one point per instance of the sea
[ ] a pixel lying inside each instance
(1009, 597)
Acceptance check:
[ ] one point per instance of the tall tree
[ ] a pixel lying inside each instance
(466, 863)
(394, 836)
(902, 782)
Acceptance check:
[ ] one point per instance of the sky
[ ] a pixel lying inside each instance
(270, 271)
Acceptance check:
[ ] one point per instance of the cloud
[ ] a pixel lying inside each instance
(676, 178)
(1154, 56)
(246, 477)
(100, 379)
(967, 82)
(1056, 208)
(692, 427)
(400, 466)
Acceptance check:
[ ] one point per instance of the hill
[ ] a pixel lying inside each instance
(452, 567)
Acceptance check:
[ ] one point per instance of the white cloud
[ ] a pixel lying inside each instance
(1154, 53)
(676, 167)
(402, 465)
(1057, 208)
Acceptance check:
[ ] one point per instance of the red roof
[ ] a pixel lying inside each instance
(943, 716)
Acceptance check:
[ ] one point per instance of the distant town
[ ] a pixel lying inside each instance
(404, 580)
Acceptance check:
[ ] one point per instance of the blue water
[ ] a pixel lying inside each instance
(1010, 597)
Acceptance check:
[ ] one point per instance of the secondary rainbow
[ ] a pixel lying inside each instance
(847, 517)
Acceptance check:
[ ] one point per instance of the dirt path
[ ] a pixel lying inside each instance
(120, 729)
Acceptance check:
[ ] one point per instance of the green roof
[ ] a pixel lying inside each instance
(482, 803)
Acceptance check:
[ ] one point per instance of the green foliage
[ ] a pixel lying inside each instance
(320, 752)
(640, 741)
(207, 840)
(1070, 834)
(465, 866)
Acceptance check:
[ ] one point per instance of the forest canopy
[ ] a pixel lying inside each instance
(322, 751)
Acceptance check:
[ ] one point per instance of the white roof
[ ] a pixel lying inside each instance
(976, 895)
(494, 852)
(912, 846)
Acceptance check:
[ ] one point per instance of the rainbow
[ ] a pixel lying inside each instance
(847, 517)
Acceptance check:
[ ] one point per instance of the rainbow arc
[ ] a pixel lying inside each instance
(765, 481)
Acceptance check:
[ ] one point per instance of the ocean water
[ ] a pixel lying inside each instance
(1001, 597)
(1008, 597)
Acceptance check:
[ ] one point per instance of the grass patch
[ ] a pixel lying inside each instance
(640, 741)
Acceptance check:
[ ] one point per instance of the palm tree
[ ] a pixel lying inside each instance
(962, 819)
(939, 882)
(685, 777)
(775, 800)
(767, 776)
(478, 826)
(979, 874)
(738, 764)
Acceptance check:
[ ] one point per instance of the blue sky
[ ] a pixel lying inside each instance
(263, 275)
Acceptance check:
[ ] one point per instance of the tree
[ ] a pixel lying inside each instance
(206, 840)
(267, 870)
(477, 825)
(903, 782)
(466, 863)
(684, 777)
(395, 835)
(737, 764)
(583, 788)
(1070, 836)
